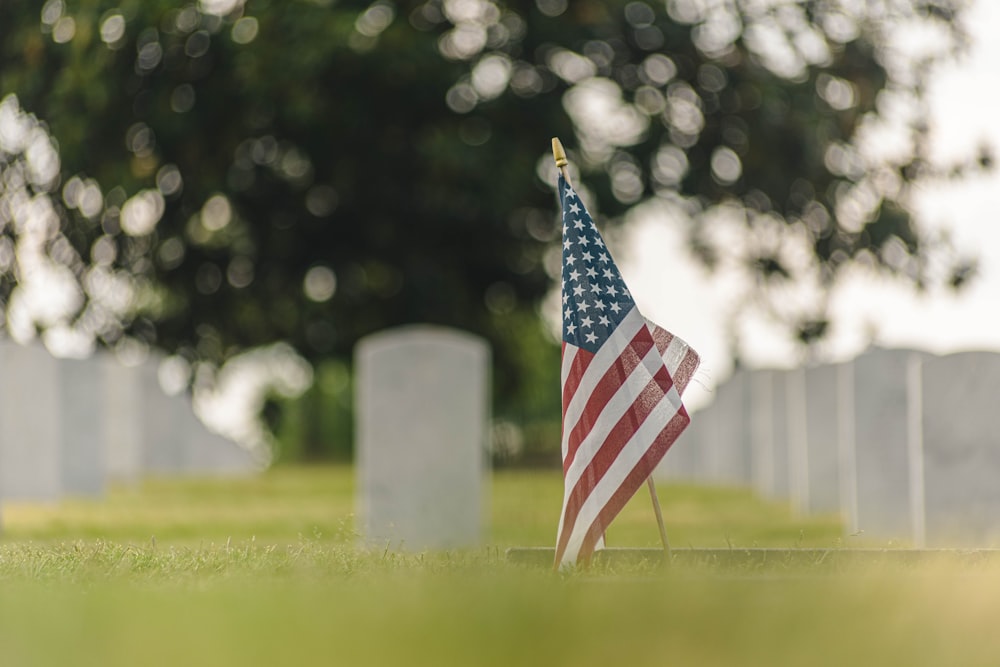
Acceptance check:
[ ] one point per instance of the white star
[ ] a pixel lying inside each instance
(584, 241)
(578, 224)
(611, 290)
(568, 313)
(591, 337)
(604, 257)
(591, 273)
(567, 243)
(586, 322)
(582, 306)
(599, 242)
(615, 307)
(600, 305)
(609, 274)
(564, 295)
(604, 320)
(587, 257)
(570, 329)
(578, 290)
(570, 259)
(595, 288)
(573, 208)
(574, 275)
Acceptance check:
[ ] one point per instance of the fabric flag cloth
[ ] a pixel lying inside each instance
(622, 380)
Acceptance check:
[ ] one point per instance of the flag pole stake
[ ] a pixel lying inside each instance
(562, 164)
(659, 518)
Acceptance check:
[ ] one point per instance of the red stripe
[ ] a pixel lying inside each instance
(650, 396)
(661, 336)
(578, 367)
(616, 375)
(636, 478)
(685, 370)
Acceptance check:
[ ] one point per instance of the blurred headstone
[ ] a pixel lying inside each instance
(123, 420)
(769, 433)
(823, 426)
(176, 442)
(729, 460)
(961, 449)
(30, 467)
(761, 383)
(82, 416)
(796, 438)
(422, 410)
(163, 436)
(208, 454)
(883, 443)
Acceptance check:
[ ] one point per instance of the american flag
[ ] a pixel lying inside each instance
(622, 379)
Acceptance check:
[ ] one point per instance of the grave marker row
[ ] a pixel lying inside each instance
(904, 445)
(69, 426)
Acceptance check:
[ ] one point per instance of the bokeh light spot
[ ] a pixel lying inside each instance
(319, 284)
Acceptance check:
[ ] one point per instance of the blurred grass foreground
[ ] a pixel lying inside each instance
(267, 571)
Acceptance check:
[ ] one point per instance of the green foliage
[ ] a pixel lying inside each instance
(319, 424)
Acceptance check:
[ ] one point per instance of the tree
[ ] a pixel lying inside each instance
(757, 120)
(313, 171)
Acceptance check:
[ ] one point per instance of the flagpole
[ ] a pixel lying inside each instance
(659, 518)
(562, 163)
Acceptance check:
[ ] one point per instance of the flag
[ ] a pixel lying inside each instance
(622, 379)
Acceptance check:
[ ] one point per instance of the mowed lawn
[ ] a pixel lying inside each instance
(267, 572)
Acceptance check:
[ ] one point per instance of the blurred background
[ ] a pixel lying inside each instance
(250, 187)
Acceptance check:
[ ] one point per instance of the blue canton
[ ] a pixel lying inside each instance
(594, 297)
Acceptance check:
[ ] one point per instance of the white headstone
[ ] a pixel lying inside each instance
(823, 424)
(727, 456)
(769, 434)
(422, 411)
(961, 449)
(123, 420)
(762, 431)
(209, 454)
(796, 435)
(163, 432)
(883, 443)
(174, 441)
(30, 446)
(83, 457)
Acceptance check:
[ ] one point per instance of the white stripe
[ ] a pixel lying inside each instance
(606, 355)
(624, 463)
(674, 355)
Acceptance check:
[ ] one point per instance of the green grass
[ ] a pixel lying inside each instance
(266, 572)
(287, 505)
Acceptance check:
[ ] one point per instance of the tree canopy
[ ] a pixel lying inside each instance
(312, 171)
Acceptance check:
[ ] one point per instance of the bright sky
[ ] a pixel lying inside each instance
(676, 293)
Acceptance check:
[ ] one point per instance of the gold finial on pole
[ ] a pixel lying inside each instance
(559, 153)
